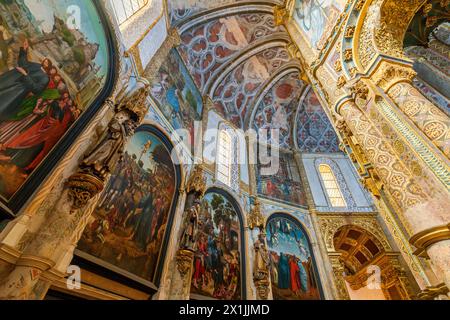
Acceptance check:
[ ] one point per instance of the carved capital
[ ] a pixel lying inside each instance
(262, 287)
(427, 238)
(389, 74)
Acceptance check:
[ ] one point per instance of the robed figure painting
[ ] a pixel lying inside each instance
(217, 261)
(127, 229)
(53, 64)
(292, 268)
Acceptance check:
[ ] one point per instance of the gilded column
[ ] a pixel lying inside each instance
(422, 211)
(396, 81)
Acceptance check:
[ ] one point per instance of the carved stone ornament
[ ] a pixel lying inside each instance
(184, 260)
(389, 74)
(136, 103)
(83, 187)
(197, 182)
(280, 14)
(431, 293)
(341, 82)
(255, 218)
(261, 268)
(338, 66)
(350, 32)
(360, 90)
(348, 55)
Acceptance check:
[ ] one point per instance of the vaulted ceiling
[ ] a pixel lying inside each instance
(238, 56)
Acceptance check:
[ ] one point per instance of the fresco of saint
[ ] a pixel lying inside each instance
(286, 185)
(127, 228)
(177, 96)
(293, 272)
(51, 70)
(217, 261)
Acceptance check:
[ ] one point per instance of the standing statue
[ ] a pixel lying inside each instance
(108, 151)
(190, 228)
(261, 267)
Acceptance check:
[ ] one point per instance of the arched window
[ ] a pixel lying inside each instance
(224, 158)
(331, 186)
(125, 9)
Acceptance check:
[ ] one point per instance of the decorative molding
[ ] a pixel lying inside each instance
(424, 239)
(433, 293)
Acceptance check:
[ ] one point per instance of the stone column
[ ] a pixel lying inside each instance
(422, 210)
(339, 272)
(45, 257)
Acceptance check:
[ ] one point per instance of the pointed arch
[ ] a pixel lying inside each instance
(291, 67)
(223, 11)
(274, 40)
(243, 57)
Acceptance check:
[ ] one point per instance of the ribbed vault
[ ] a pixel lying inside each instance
(238, 57)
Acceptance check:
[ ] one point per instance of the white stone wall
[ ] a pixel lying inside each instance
(356, 197)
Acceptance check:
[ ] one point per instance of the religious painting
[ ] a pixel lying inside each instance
(316, 18)
(54, 62)
(292, 266)
(127, 229)
(176, 94)
(285, 185)
(217, 262)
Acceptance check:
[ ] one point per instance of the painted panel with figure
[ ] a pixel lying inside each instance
(127, 229)
(316, 18)
(54, 61)
(292, 265)
(176, 94)
(217, 263)
(284, 185)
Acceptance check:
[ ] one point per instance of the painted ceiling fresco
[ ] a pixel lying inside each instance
(207, 47)
(238, 57)
(180, 10)
(235, 95)
(277, 108)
